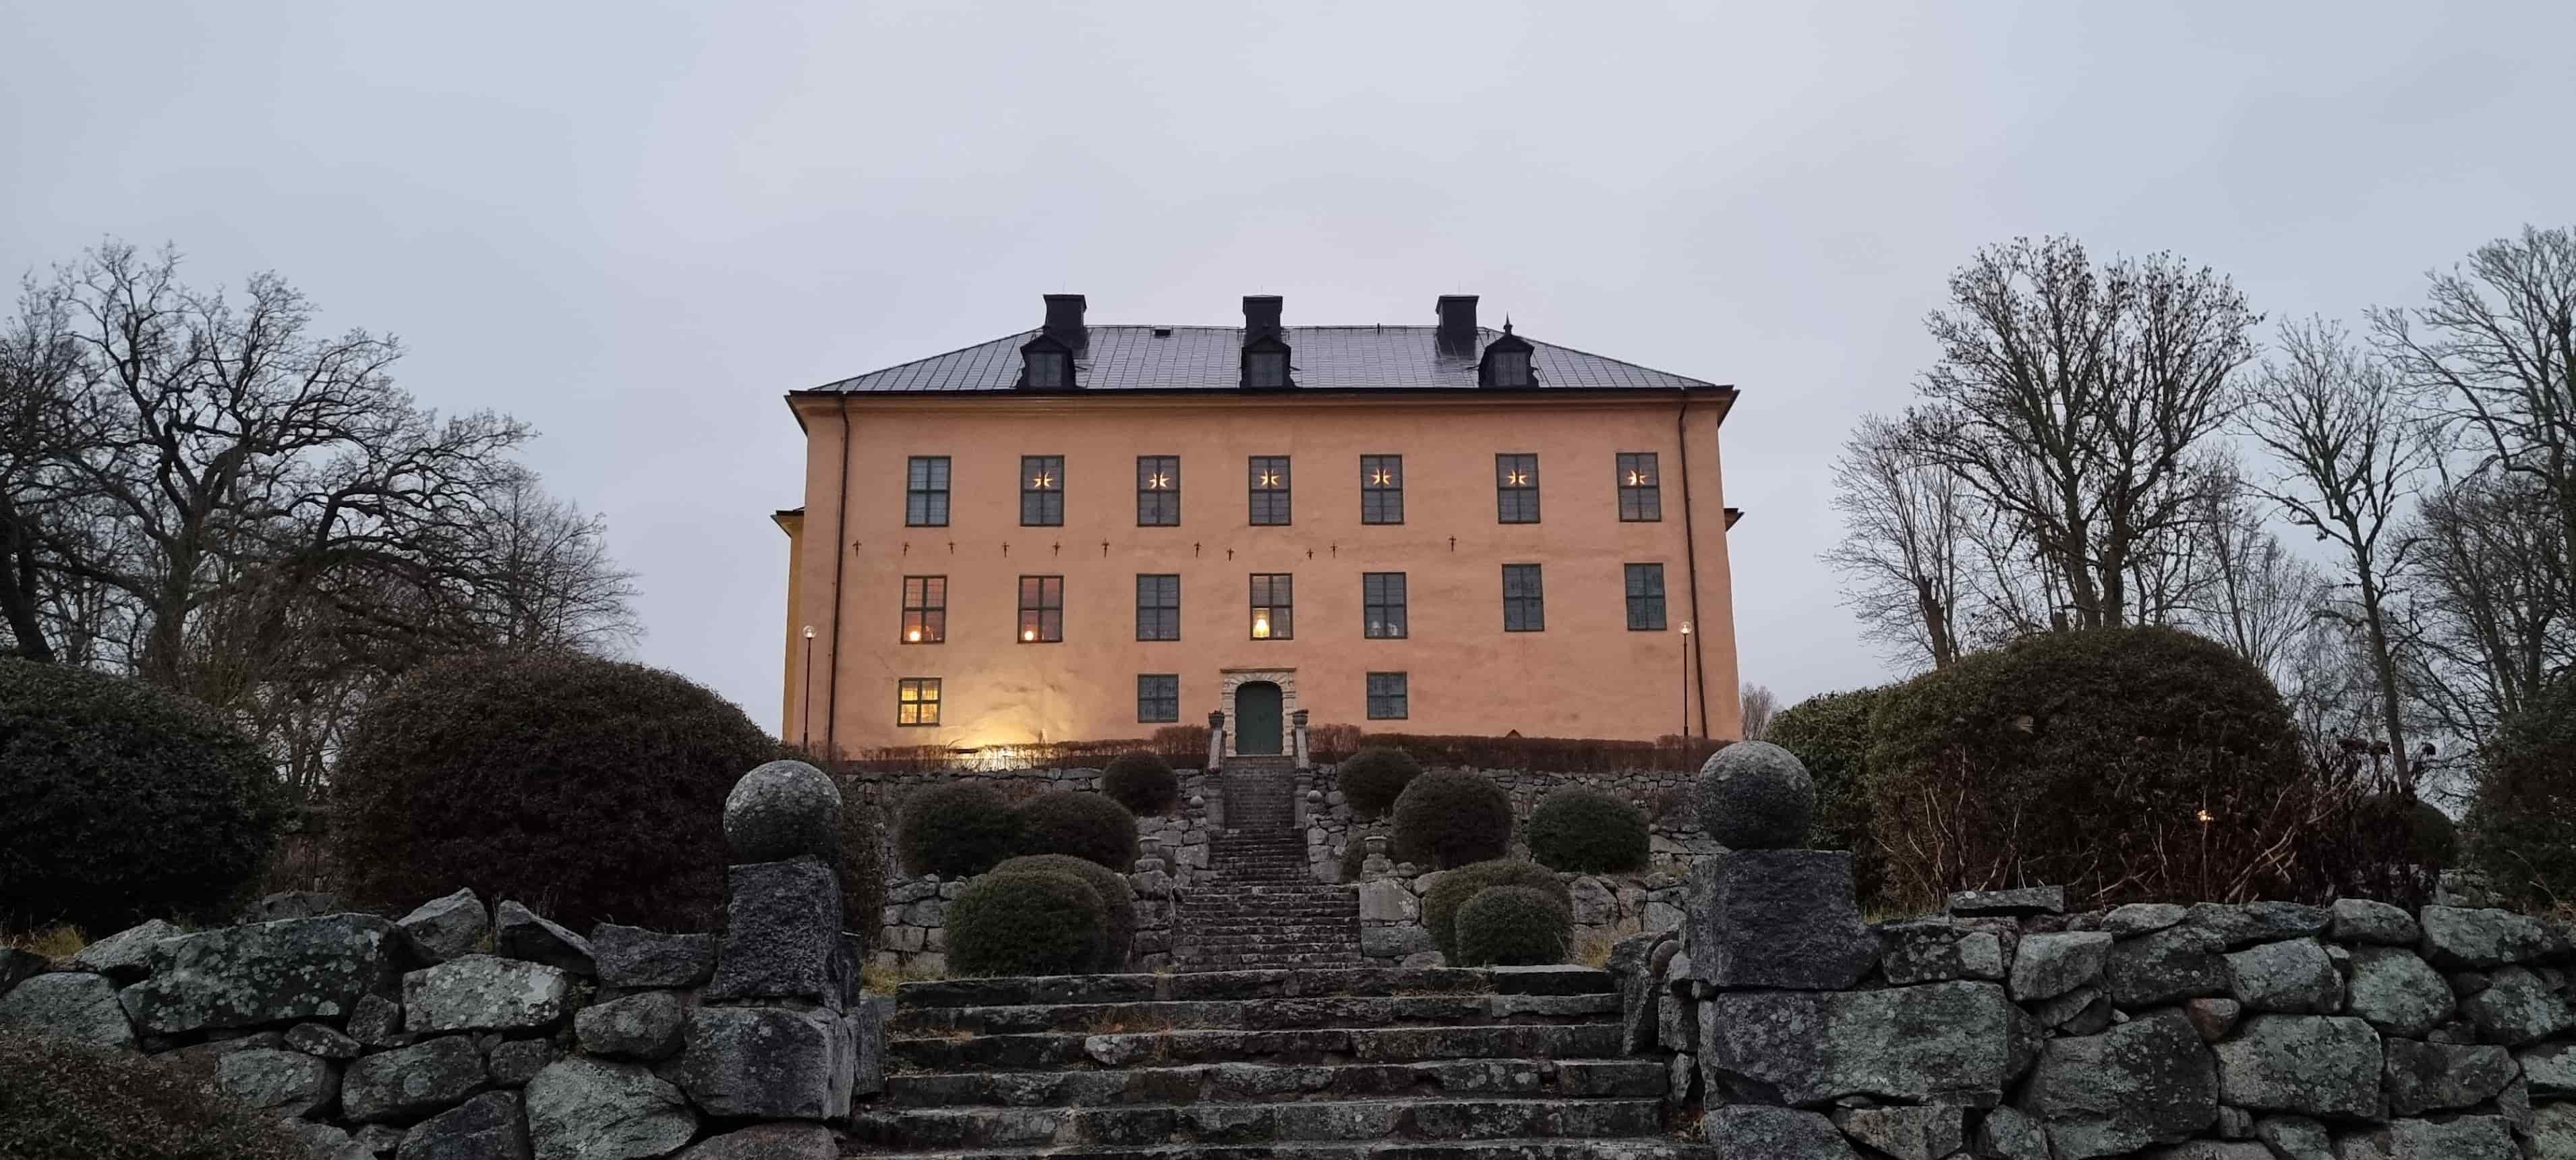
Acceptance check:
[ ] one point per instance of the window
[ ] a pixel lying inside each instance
(1158, 607)
(1524, 607)
(1041, 609)
(1273, 606)
(1641, 499)
(1516, 489)
(1158, 697)
(1382, 598)
(925, 609)
(1387, 700)
(916, 701)
(925, 492)
(1265, 363)
(1381, 489)
(1269, 489)
(1046, 363)
(1645, 598)
(1041, 491)
(1158, 491)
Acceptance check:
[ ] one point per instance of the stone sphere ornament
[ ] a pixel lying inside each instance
(1754, 795)
(783, 810)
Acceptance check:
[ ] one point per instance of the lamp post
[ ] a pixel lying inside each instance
(1686, 678)
(805, 722)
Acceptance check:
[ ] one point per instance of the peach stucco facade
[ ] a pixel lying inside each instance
(1586, 674)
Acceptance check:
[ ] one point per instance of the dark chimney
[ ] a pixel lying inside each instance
(1458, 324)
(1064, 321)
(1260, 316)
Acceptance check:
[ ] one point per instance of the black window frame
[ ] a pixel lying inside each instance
(1516, 487)
(1524, 598)
(1645, 605)
(1160, 703)
(1383, 606)
(1274, 594)
(1389, 695)
(1048, 612)
(1381, 489)
(1042, 480)
(925, 609)
(1151, 609)
(1639, 502)
(918, 698)
(1267, 504)
(1158, 491)
(925, 486)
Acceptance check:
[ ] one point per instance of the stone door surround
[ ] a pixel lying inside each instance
(1230, 679)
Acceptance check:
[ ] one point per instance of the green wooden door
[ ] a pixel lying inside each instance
(1256, 717)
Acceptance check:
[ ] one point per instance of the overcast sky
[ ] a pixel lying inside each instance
(638, 225)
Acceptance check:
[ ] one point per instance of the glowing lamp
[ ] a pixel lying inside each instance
(1028, 634)
(913, 636)
(1261, 626)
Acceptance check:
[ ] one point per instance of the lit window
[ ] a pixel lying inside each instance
(1274, 614)
(1269, 481)
(1158, 607)
(1516, 489)
(1641, 499)
(925, 609)
(1645, 598)
(1524, 606)
(1041, 491)
(1381, 489)
(1158, 491)
(925, 494)
(1387, 697)
(1158, 697)
(916, 701)
(1041, 609)
(1382, 602)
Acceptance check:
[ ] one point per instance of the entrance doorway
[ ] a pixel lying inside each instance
(1256, 718)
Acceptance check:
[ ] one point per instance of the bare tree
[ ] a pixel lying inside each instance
(2258, 598)
(1905, 530)
(1759, 707)
(2493, 624)
(2349, 459)
(2077, 401)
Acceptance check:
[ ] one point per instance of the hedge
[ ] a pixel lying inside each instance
(1587, 831)
(863, 863)
(1830, 734)
(1117, 900)
(120, 802)
(1452, 889)
(1512, 926)
(1451, 818)
(2522, 826)
(1373, 778)
(1084, 825)
(956, 830)
(1142, 782)
(65, 1101)
(1031, 922)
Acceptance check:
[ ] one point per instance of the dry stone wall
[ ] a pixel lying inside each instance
(1673, 831)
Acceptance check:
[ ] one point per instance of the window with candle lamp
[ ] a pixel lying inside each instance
(925, 609)
(1381, 489)
(1273, 606)
(1041, 609)
(1641, 498)
(1269, 481)
(1042, 491)
(1158, 491)
(1516, 489)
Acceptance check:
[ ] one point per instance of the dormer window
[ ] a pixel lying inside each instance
(1265, 364)
(1506, 362)
(1046, 365)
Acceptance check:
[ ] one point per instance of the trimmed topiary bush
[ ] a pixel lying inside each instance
(956, 829)
(1117, 900)
(120, 802)
(76, 1102)
(1373, 778)
(1029, 922)
(1085, 825)
(1142, 782)
(1829, 732)
(863, 863)
(1451, 818)
(1586, 831)
(1452, 889)
(2522, 826)
(1512, 926)
(590, 789)
(2091, 758)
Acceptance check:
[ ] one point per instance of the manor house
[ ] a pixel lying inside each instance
(1084, 531)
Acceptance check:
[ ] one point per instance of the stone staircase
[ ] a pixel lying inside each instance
(1259, 906)
(1424, 1064)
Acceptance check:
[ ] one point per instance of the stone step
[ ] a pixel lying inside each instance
(1331, 1120)
(1251, 1014)
(1274, 940)
(1355, 982)
(1255, 962)
(1314, 1045)
(1259, 1083)
(1523, 1149)
(1264, 948)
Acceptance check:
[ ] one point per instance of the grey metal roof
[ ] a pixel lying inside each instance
(1162, 358)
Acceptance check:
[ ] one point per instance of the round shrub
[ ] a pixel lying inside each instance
(1117, 899)
(1754, 795)
(1032, 922)
(1512, 926)
(2522, 824)
(120, 802)
(2087, 758)
(863, 864)
(1452, 889)
(1085, 825)
(61, 1101)
(1586, 831)
(589, 789)
(1142, 782)
(1373, 778)
(956, 829)
(1451, 818)
(1829, 733)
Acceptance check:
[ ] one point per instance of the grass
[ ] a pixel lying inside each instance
(56, 942)
(878, 979)
(1593, 950)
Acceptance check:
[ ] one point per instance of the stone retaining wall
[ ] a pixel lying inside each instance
(1664, 796)
(1606, 907)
